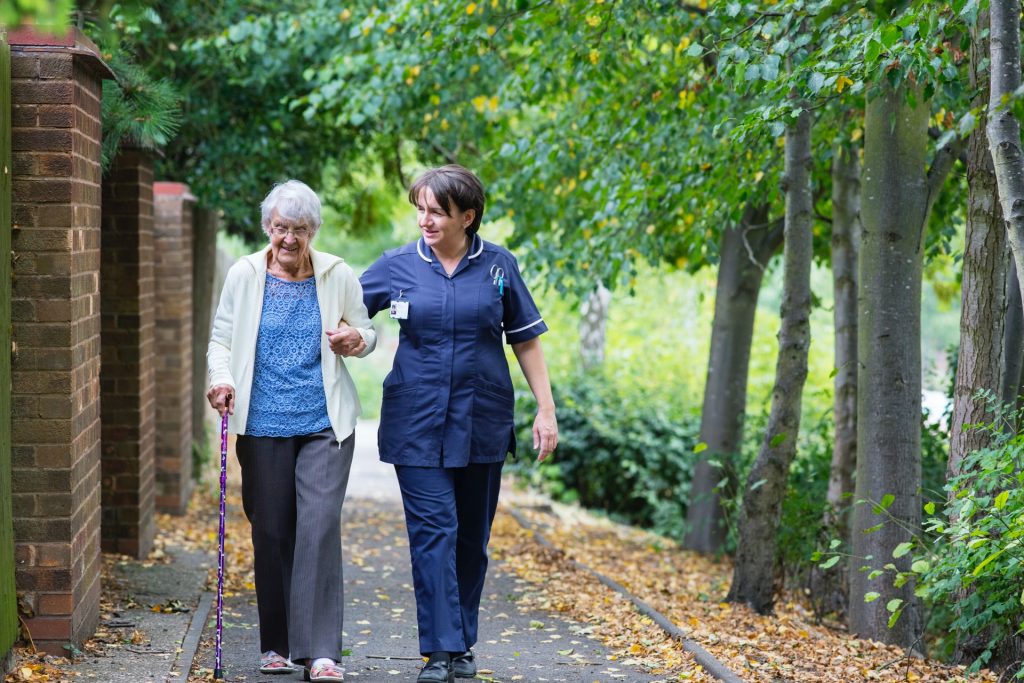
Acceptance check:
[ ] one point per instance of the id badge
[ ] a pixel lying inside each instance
(399, 310)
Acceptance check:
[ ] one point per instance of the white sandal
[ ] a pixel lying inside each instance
(273, 663)
(326, 673)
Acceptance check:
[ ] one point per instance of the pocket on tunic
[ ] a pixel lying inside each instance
(493, 405)
(404, 417)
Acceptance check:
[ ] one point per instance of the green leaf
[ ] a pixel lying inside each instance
(700, 447)
(902, 549)
(893, 604)
(1001, 499)
(920, 566)
(834, 543)
(776, 440)
(872, 51)
(887, 500)
(891, 34)
(929, 508)
(831, 562)
(988, 560)
(695, 50)
(816, 81)
(872, 596)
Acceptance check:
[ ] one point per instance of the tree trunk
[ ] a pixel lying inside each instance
(829, 587)
(894, 212)
(740, 273)
(593, 321)
(979, 362)
(754, 572)
(983, 303)
(1003, 128)
(845, 246)
(1013, 338)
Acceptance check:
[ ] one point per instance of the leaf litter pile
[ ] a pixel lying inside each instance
(687, 588)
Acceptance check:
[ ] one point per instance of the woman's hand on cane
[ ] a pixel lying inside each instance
(222, 398)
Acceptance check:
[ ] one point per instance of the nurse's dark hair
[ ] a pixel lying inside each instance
(452, 183)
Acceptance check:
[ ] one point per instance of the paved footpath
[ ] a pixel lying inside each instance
(380, 612)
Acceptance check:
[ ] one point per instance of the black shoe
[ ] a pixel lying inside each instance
(464, 665)
(437, 670)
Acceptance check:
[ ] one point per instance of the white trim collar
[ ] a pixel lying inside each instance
(480, 249)
(420, 251)
(476, 240)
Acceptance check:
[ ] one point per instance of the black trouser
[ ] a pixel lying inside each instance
(292, 492)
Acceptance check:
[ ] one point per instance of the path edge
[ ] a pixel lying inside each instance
(190, 643)
(703, 657)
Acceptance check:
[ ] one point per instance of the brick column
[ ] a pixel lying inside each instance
(128, 341)
(204, 269)
(173, 242)
(56, 88)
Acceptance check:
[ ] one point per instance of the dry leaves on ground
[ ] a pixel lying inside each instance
(688, 588)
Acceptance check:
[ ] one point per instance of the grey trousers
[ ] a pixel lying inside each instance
(292, 492)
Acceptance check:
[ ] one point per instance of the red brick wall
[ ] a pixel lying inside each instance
(56, 324)
(127, 378)
(173, 242)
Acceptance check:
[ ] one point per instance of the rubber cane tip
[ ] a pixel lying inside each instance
(218, 674)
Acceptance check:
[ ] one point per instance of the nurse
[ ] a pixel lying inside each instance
(446, 418)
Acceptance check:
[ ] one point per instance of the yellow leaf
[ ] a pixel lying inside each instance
(842, 82)
(492, 103)
(470, 8)
(856, 134)
(594, 56)
(474, 68)
(344, 15)
(636, 648)
(593, 20)
(25, 673)
(758, 176)
(491, 30)
(479, 103)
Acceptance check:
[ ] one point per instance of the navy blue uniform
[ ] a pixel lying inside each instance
(446, 418)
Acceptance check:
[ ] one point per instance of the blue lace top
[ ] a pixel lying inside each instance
(288, 396)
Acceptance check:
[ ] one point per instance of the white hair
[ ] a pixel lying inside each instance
(294, 201)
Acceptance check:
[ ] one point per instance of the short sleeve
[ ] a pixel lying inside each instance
(522, 321)
(376, 283)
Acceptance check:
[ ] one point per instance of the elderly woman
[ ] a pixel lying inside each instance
(446, 419)
(286, 316)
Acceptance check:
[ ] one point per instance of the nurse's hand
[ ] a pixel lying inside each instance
(545, 433)
(222, 398)
(345, 340)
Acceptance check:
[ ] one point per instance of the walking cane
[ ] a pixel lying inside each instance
(218, 671)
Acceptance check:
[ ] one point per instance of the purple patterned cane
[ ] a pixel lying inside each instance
(218, 671)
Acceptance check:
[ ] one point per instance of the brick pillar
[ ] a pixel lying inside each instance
(173, 243)
(204, 269)
(127, 378)
(55, 432)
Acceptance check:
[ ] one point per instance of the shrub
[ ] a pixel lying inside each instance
(619, 453)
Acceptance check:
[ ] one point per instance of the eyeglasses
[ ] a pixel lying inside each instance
(301, 232)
